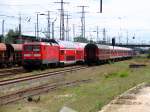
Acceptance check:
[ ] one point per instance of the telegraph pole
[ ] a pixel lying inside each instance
(62, 19)
(37, 23)
(127, 38)
(3, 23)
(104, 35)
(49, 25)
(62, 26)
(83, 21)
(97, 34)
(67, 26)
(48, 28)
(53, 23)
(53, 30)
(20, 28)
(120, 33)
(35, 30)
(73, 30)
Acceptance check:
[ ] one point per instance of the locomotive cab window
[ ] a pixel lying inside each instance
(28, 48)
(36, 48)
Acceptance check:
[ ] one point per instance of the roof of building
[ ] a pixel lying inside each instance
(17, 47)
(32, 34)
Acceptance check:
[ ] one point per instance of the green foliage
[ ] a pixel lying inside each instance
(80, 39)
(98, 105)
(148, 54)
(121, 74)
(1, 38)
(111, 62)
(11, 36)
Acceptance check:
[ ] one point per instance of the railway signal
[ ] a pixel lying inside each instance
(101, 6)
(113, 42)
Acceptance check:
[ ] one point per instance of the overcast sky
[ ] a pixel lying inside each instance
(118, 17)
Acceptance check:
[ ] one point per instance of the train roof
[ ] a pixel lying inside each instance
(103, 46)
(109, 47)
(66, 44)
(2, 47)
(119, 48)
(39, 43)
(81, 45)
(70, 44)
(99, 46)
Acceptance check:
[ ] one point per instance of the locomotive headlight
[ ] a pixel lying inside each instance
(37, 55)
(27, 55)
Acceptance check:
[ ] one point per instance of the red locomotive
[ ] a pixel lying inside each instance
(38, 54)
(56, 52)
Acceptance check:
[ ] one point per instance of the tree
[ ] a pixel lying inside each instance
(80, 39)
(11, 36)
(1, 38)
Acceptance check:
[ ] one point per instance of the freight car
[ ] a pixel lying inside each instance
(17, 54)
(10, 54)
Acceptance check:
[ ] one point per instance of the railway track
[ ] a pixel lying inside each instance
(12, 71)
(38, 76)
(26, 93)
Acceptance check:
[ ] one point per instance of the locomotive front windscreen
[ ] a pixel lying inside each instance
(34, 48)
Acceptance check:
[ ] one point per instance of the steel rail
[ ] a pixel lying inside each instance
(38, 90)
(37, 76)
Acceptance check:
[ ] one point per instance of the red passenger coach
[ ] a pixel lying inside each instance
(96, 53)
(70, 52)
(80, 52)
(39, 54)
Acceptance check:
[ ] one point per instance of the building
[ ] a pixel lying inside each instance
(28, 37)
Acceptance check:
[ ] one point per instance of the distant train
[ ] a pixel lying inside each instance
(57, 52)
(10, 54)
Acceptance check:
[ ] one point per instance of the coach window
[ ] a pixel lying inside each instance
(78, 52)
(62, 52)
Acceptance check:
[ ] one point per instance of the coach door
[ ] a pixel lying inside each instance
(91, 52)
